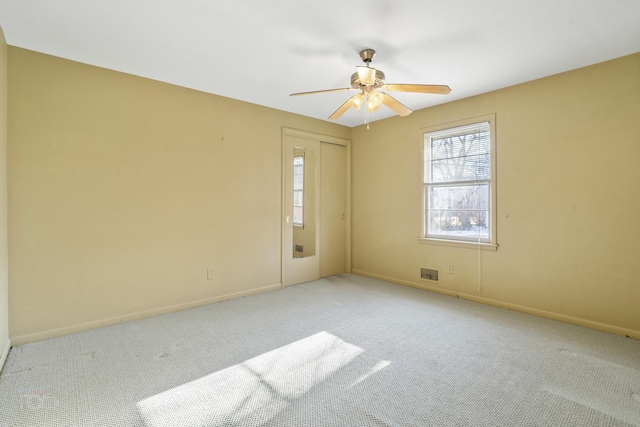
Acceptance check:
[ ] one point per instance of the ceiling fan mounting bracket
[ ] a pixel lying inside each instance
(367, 55)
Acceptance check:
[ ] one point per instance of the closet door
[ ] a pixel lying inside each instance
(333, 209)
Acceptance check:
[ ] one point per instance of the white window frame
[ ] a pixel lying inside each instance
(491, 242)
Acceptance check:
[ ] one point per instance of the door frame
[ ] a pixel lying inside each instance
(291, 132)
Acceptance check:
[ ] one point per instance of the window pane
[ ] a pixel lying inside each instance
(468, 224)
(297, 215)
(468, 144)
(458, 155)
(460, 197)
(298, 193)
(470, 168)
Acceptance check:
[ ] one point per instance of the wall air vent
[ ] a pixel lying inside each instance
(428, 274)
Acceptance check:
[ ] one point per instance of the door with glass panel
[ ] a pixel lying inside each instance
(301, 197)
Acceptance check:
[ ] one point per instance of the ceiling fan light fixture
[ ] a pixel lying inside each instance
(374, 101)
(357, 101)
(367, 75)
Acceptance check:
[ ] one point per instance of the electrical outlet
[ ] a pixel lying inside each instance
(450, 269)
(428, 274)
(209, 273)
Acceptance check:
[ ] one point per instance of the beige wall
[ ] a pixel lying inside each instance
(124, 191)
(4, 290)
(568, 148)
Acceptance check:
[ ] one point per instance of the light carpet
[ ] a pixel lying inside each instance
(341, 351)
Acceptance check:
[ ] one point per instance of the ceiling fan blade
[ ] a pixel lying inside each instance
(344, 89)
(436, 89)
(355, 101)
(395, 105)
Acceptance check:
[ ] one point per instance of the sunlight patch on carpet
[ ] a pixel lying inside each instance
(258, 388)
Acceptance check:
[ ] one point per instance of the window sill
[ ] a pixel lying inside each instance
(459, 244)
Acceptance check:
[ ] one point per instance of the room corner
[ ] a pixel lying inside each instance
(4, 281)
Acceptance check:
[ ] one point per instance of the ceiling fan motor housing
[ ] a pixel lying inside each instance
(378, 81)
(356, 83)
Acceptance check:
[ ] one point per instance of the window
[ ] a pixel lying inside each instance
(298, 190)
(459, 184)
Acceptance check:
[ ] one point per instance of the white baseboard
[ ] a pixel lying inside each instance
(515, 307)
(5, 353)
(72, 329)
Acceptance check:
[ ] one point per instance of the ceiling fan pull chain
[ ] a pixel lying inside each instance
(366, 110)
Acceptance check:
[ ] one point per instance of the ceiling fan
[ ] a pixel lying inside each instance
(366, 80)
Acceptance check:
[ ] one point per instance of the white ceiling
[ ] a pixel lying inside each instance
(260, 51)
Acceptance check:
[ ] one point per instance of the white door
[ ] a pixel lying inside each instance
(333, 209)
